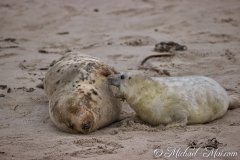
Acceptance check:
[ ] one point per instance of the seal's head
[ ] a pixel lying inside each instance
(71, 113)
(126, 82)
(118, 79)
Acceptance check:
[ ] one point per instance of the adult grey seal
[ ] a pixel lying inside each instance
(80, 99)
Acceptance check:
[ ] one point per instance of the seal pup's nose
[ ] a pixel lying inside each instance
(114, 80)
(111, 79)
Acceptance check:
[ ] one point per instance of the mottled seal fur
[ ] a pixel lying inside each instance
(174, 101)
(80, 99)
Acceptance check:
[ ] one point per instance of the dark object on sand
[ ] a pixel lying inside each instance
(209, 144)
(3, 86)
(159, 71)
(52, 63)
(30, 89)
(26, 89)
(169, 46)
(43, 68)
(40, 85)
(155, 56)
(9, 90)
(62, 33)
(2, 95)
(137, 42)
(96, 10)
(12, 40)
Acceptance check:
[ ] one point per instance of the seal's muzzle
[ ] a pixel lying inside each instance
(114, 80)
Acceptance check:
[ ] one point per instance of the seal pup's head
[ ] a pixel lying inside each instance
(126, 83)
(118, 79)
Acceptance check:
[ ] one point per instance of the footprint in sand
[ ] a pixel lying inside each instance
(54, 49)
(94, 147)
(229, 56)
(137, 40)
(8, 43)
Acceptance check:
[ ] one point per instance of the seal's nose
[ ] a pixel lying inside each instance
(86, 125)
(113, 80)
(110, 79)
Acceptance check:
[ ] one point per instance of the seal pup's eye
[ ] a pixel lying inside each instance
(122, 76)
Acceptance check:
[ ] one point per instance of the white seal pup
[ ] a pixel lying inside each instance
(174, 101)
(80, 99)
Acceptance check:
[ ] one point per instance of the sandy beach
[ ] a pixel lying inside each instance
(122, 33)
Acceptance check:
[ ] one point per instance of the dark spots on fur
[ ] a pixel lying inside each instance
(94, 92)
(92, 81)
(80, 91)
(73, 109)
(86, 100)
(89, 94)
(69, 124)
(105, 72)
(83, 63)
(58, 70)
(58, 82)
(86, 125)
(90, 66)
(81, 76)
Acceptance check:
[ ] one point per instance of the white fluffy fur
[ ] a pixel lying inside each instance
(175, 101)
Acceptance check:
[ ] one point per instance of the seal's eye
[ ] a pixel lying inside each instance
(122, 76)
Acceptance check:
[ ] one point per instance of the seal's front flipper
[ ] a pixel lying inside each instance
(179, 119)
(177, 124)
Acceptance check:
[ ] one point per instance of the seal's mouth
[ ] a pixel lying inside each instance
(87, 123)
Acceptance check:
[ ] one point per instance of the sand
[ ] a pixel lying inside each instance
(122, 33)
